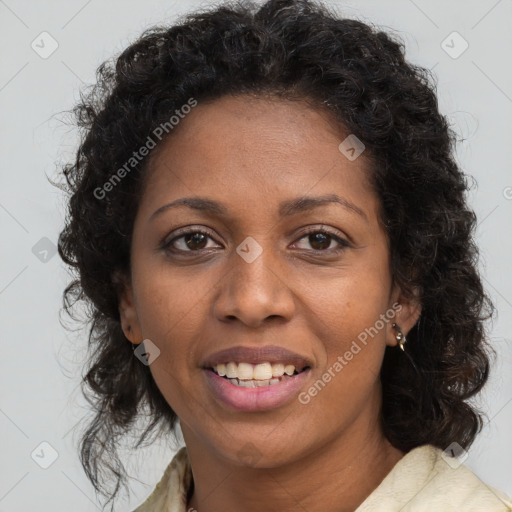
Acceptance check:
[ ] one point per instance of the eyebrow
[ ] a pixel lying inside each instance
(286, 208)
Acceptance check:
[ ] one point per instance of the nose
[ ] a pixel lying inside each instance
(255, 292)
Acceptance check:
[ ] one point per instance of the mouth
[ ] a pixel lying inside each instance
(249, 375)
(256, 378)
(268, 387)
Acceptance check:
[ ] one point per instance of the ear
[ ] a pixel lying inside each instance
(407, 310)
(127, 311)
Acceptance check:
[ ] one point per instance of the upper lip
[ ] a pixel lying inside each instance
(254, 355)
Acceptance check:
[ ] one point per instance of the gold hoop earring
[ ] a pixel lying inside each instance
(400, 336)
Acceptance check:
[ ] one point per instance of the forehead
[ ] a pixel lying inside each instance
(239, 123)
(255, 147)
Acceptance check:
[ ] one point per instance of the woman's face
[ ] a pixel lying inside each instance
(254, 276)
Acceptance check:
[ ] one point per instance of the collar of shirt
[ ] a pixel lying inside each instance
(425, 479)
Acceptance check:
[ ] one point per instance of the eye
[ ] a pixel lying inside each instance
(320, 240)
(196, 240)
(192, 240)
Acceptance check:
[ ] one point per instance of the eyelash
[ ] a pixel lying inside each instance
(343, 244)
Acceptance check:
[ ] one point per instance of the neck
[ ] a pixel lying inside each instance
(338, 476)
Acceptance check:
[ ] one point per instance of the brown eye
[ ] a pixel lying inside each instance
(195, 241)
(321, 240)
(190, 241)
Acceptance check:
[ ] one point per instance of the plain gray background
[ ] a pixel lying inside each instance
(41, 362)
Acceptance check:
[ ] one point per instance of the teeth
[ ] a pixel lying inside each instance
(245, 371)
(277, 370)
(242, 383)
(261, 373)
(289, 369)
(231, 370)
(258, 383)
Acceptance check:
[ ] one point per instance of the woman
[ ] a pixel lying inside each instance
(273, 237)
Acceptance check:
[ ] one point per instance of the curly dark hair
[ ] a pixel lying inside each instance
(296, 50)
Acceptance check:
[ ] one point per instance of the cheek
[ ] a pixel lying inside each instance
(352, 326)
(349, 305)
(346, 386)
(354, 342)
(171, 312)
(170, 303)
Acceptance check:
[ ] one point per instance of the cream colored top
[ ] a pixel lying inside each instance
(421, 481)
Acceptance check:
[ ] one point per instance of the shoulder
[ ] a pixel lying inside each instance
(170, 493)
(426, 479)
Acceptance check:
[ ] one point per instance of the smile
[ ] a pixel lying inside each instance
(248, 387)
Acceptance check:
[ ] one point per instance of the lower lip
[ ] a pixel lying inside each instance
(255, 399)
